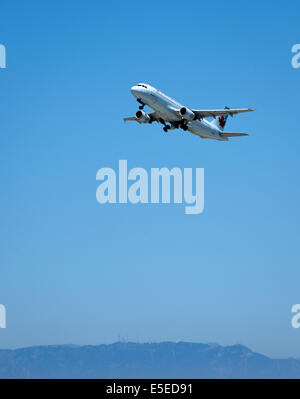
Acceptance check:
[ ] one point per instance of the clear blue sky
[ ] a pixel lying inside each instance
(73, 271)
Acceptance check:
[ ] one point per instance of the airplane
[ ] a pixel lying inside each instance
(174, 115)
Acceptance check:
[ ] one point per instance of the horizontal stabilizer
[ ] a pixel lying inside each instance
(224, 134)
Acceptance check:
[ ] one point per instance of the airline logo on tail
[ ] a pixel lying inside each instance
(222, 121)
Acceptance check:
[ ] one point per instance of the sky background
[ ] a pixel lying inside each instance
(75, 271)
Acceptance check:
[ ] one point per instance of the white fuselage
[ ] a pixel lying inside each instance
(165, 107)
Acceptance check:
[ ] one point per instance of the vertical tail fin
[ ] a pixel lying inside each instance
(220, 121)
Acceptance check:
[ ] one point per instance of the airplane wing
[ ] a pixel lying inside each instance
(134, 118)
(206, 113)
(130, 118)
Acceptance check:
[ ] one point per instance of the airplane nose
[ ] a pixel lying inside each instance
(134, 91)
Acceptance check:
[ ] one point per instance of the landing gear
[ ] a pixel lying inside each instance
(183, 125)
(166, 127)
(141, 102)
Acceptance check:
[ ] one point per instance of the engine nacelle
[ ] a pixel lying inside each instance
(142, 117)
(187, 114)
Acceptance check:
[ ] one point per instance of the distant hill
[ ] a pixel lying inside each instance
(135, 360)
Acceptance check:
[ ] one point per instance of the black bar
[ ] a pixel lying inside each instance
(142, 388)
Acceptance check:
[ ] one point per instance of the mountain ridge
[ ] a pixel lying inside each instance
(143, 360)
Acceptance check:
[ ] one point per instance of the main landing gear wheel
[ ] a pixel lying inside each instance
(166, 128)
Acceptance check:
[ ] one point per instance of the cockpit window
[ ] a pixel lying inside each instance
(141, 85)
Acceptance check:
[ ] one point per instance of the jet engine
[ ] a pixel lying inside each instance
(187, 114)
(142, 117)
